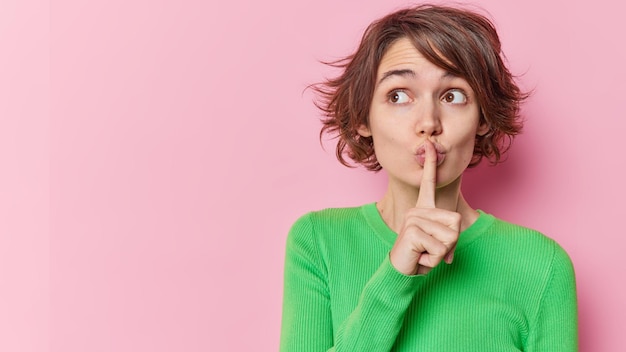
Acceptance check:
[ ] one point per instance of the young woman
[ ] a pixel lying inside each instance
(425, 96)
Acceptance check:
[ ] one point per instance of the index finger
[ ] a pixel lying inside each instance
(426, 197)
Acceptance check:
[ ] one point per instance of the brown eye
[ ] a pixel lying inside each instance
(398, 97)
(454, 96)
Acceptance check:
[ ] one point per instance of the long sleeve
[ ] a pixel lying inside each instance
(306, 321)
(556, 323)
(307, 318)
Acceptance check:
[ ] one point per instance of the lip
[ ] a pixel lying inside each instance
(420, 154)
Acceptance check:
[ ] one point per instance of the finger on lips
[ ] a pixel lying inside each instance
(426, 196)
(429, 234)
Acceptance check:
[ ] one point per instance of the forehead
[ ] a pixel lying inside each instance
(401, 52)
(403, 55)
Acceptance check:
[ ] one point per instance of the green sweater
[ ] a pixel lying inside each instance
(509, 288)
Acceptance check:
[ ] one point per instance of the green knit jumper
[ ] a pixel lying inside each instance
(509, 288)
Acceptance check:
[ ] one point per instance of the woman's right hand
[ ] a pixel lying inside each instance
(429, 234)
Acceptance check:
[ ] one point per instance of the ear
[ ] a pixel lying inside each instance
(364, 131)
(482, 129)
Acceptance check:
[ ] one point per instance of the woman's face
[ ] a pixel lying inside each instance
(413, 101)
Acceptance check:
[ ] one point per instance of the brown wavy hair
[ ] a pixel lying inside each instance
(459, 41)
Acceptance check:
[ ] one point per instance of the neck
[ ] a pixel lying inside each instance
(400, 198)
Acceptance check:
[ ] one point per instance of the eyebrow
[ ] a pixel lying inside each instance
(402, 73)
(410, 73)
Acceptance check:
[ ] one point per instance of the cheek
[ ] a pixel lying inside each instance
(467, 158)
(384, 134)
(389, 148)
(467, 148)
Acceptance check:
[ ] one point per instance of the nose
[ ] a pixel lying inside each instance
(428, 119)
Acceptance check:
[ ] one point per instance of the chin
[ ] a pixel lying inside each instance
(444, 179)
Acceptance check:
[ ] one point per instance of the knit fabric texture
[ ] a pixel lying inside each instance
(509, 288)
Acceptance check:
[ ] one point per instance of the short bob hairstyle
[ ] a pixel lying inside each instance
(461, 42)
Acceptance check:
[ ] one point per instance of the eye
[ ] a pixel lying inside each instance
(399, 97)
(455, 96)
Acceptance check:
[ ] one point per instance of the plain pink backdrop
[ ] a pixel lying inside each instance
(155, 153)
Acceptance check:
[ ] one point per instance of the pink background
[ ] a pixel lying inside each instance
(155, 153)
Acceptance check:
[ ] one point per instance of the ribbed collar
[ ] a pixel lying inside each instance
(373, 218)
